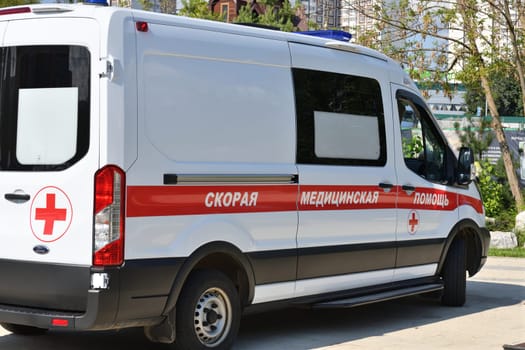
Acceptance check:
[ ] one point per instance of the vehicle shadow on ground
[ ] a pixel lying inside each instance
(322, 328)
(298, 329)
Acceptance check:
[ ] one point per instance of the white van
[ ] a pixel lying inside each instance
(169, 173)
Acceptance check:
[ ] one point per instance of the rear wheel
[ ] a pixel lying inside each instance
(454, 275)
(208, 312)
(23, 330)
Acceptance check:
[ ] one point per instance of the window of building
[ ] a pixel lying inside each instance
(224, 12)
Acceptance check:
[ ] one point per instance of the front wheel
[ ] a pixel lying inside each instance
(208, 312)
(454, 275)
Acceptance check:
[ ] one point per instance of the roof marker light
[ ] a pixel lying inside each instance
(142, 26)
(15, 10)
(329, 34)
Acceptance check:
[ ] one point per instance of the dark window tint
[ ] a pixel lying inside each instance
(44, 107)
(340, 119)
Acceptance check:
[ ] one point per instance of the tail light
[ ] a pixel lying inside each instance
(108, 235)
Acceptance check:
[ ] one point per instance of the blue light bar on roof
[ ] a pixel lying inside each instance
(96, 2)
(329, 34)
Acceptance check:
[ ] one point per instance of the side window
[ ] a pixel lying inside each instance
(423, 148)
(340, 119)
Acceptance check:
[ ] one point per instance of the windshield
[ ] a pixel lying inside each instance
(44, 107)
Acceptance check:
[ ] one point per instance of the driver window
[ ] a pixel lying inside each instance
(423, 148)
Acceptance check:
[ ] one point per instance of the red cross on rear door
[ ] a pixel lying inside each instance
(51, 214)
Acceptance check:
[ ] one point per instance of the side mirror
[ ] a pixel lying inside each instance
(465, 161)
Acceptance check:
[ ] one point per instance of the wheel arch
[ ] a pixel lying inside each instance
(221, 256)
(477, 240)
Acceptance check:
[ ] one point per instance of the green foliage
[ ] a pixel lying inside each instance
(495, 191)
(476, 134)
(518, 252)
(197, 9)
(146, 5)
(497, 197)
(275, 15)
(413, 148)
(246, 15)
(491, 190)
(504, 85)
(506, 91)
(168, 6)
(7, 3)
(504, 221)
(520, 235)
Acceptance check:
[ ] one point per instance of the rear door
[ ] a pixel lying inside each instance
(48, 140)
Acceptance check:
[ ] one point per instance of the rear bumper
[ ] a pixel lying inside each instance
(60, 296)
(55, 295)
(93, 318)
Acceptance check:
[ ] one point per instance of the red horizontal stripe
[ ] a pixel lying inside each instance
(427, 199)
(475, 203)
(327, 197)
(196, 200)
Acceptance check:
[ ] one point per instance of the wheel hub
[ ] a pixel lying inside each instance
(212, 318)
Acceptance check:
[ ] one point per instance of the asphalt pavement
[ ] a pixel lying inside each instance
(493, 316)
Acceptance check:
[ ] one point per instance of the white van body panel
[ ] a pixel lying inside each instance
(119, 136)
(175, 238)
(175, 142)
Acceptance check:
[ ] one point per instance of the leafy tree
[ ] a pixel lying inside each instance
(492, 191)
(274, 15)
(431, 37)
(168, 6)
(124, 3)
(197, 9)
(146, 5)
(506, 89)
(475, 134)
(7, 3)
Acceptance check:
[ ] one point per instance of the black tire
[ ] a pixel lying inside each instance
(19, 329)
(454, 275)
(208, 312)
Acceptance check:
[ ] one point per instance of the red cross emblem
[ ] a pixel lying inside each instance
(51, 214)
(413, 222)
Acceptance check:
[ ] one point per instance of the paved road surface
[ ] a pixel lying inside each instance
(493, 316)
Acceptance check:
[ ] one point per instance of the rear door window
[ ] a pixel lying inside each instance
(44, 107)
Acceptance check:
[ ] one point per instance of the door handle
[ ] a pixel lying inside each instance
(386, 186)
(17, 197)
(408, 189)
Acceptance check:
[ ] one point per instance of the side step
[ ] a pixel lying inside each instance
(382, 296)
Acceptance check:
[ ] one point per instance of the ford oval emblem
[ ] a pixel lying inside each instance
(41, 249)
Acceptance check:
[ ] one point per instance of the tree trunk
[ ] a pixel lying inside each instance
(505, 151)
(468, 11)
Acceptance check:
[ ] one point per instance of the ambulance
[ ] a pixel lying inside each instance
(172, 173)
